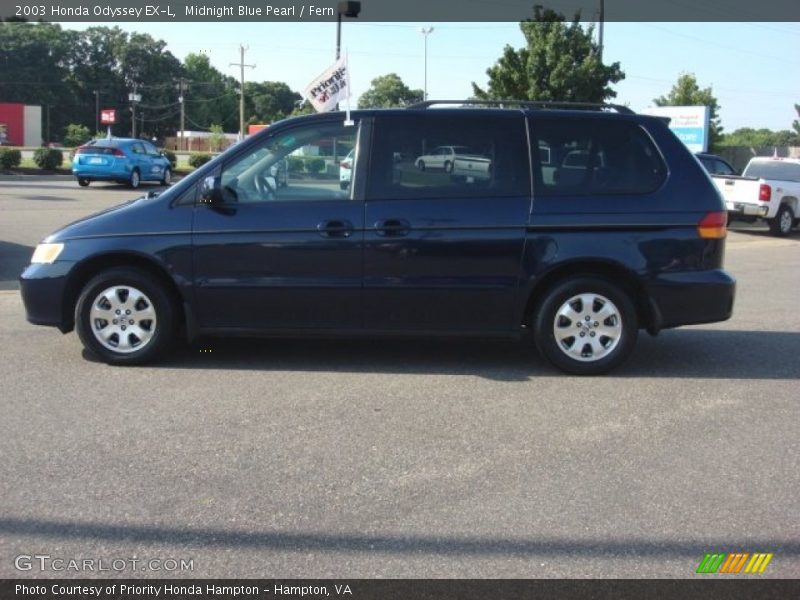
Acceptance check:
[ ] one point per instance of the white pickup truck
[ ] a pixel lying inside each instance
(769, 188)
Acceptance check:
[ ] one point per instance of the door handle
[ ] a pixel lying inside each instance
(393, 227)
(335, 228)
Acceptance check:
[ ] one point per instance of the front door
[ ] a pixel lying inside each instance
(443, 247)
(282, 254)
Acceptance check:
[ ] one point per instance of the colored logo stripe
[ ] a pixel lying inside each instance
(733, 562)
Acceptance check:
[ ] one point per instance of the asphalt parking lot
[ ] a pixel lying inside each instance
(401, 459)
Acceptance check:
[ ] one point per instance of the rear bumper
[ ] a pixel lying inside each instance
(43, 288)
(747, 210)
(101, 174)
(691, 298)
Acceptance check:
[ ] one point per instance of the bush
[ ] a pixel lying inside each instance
(48, 158)
(198, 159)
(171, 157)
(315, 165)
(75, 135)
(10, 158)
(295, 165)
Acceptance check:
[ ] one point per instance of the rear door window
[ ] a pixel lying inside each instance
(449, 156)
(590, 157)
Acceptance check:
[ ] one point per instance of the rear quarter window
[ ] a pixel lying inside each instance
(773, 170)
(591, 157)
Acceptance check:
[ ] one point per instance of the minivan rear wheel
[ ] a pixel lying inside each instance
(585, 326)
(124, 317)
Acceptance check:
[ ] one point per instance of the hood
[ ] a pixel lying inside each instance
(126, 218)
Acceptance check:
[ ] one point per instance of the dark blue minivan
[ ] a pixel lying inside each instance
(578, 225)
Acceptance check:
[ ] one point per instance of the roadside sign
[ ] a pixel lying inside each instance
(108, 116)
(690, 123)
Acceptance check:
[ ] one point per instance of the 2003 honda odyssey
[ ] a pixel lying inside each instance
(584, 227)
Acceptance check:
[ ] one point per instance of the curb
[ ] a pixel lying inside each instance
(23, 178)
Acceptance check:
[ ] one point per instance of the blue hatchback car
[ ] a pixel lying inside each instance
(122, 160)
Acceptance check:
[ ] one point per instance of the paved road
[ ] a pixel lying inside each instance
(346, 459)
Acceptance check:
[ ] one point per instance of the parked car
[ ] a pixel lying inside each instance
(346, 170)
(768, 189)
(579, 262)
(442, 157)
(715, 165)
(122, 160)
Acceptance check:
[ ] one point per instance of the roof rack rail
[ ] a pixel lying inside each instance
(527, 104)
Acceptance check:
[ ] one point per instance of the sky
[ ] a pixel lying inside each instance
(753, 68)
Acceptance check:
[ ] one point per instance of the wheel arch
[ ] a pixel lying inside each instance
(616, 273)
(83, 272)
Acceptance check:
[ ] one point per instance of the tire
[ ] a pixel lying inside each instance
(166, 177)
(154, 316)
(783, 222)
(83, 182)
(421, 165)
(588, 352)
(135, 179)
(448, 166)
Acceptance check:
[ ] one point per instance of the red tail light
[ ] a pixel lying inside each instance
(764, 193)
(713, 226)
(118, 152)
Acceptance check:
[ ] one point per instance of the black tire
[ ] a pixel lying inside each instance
(448, 166)
(166, 177)
(159, 299)
(561, 354)
(83, 182)
(421, 165)
(135, 179)
(783, 222)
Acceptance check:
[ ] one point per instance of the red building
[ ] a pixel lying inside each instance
(20, 125)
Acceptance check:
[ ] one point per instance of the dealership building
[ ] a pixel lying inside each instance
(20, 124)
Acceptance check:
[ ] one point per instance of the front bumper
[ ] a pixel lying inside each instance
(43, 289)
(691, 298)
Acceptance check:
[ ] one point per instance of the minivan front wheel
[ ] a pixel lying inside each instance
(124, 317)
(586, 326)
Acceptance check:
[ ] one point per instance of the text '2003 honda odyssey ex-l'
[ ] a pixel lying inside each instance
(578, 224)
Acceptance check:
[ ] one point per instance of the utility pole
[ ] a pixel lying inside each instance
(600, 28)
(181, 90)
(96, 112)
(426, 31)
(241, 64)
(134, 98)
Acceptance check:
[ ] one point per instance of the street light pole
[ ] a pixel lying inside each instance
(134, 98)
(426, 31)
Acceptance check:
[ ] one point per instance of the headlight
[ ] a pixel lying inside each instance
(46, 253)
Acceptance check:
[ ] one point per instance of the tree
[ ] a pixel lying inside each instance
(755, 138)
(686, 92)
(561, 62)
(211, 96)
(75, 135)
(216, 138)
(796, 122)
(269, 101)
(388, 91)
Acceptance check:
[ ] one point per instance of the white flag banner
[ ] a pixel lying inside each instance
(332, 86)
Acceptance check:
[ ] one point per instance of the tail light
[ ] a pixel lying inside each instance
(764, 193)
(118, 152)
(713, 226)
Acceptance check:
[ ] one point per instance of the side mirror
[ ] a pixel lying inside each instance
(211, 190)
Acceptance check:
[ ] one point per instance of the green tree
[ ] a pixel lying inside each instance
(687, 92)
(796, 122)
(560, 62)
(754, 138)
(76, 134)
(211, 97)
(216, 138)
(388, 91)
(269, 101)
